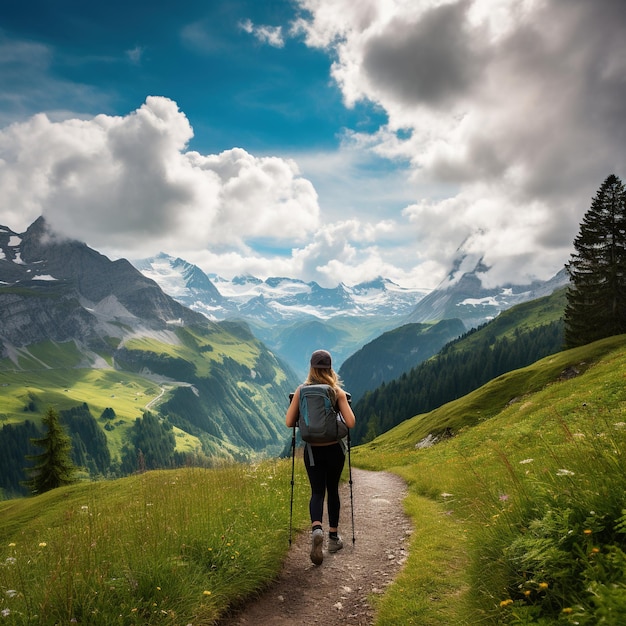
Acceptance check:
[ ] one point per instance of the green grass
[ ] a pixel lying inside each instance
(519, 518)
(165, 547)
(512, 492)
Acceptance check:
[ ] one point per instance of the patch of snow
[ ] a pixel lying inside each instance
(14, 241)
(487, 301)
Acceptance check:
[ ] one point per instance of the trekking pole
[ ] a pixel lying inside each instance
(351, 498)
(293, 460)
(349, 396)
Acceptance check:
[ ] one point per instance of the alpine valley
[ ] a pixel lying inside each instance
(293, 317)
(138, 379)
(155, 363)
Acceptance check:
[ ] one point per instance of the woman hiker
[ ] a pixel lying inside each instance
(325, 467)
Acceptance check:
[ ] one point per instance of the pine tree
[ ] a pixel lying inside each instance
(596, 298)
(53, 467)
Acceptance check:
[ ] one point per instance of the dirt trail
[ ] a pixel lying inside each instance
(336, 592)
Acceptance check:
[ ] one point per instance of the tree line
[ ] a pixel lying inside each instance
(451, 374)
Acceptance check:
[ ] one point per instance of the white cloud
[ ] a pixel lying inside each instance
(129, 180)
(272, 35)
(516, 105)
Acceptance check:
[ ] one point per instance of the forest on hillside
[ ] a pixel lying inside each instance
(451, 374)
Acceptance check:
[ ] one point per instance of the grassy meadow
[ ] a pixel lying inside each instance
(519, 516)
(165, 547)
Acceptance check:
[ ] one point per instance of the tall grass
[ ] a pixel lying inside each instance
(527, 504)
(166, 547)
(554, 549)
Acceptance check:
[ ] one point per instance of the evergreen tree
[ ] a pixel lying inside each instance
(53, 467)
(596, 298)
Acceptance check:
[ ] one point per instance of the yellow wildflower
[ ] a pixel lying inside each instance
(206, 593)
(506, 602)
(543, 585)
(587, 531)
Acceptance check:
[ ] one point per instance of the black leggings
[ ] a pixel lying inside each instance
(324, 476)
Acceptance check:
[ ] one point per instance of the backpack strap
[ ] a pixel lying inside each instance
(308, 449)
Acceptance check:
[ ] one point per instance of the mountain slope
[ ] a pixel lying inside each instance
(517, 337)
(462, 295)
(394, 353)
(78, 328)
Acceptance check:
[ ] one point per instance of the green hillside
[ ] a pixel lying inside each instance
(395, 352)
(517, 337)
(218, 390)
(519, 517)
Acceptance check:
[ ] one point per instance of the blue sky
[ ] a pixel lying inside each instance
(326, 140)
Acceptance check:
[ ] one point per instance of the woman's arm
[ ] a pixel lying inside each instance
(293, 411)
(345, 409)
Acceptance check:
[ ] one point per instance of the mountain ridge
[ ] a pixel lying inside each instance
(69, 315)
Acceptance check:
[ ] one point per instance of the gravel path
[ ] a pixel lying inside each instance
(337, 592)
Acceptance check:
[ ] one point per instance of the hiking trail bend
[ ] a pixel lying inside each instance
(336, 592)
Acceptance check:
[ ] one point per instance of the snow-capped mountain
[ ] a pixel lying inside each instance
(290, 316)
(462, 295)
(275, 299)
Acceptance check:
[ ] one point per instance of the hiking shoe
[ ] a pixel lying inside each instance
(317, 539)
(334, 545)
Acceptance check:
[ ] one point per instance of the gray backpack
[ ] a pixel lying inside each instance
(319, 421)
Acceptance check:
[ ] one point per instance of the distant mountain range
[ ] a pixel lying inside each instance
(462, 295)
(294, 318)
(290, 316)
(275, 299)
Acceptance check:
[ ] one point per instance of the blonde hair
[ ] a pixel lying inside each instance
(323, 376)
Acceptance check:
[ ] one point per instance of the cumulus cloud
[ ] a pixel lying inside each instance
(129, 182)
(515, 103)
(272, 35)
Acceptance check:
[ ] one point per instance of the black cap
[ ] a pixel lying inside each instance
(321, 360)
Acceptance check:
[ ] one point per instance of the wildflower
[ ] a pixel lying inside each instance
(543, 585)
(503, 497)
(595, 550)
(587, 531)
(5, 612)
(10, 560)
(43, 544)
(527, 592)
(526, 461)
(568, 610)
(505, 603)
(12, 544)
(206, 593)
(564, 472)
(11, 593)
